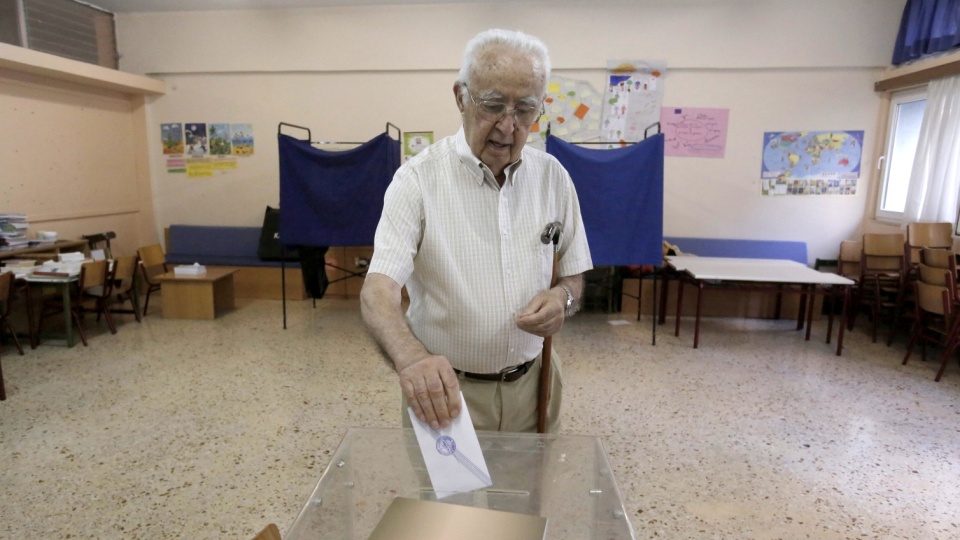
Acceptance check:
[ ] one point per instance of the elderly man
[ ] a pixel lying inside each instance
(461, 228)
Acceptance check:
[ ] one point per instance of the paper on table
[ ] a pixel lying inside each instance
(452, 455)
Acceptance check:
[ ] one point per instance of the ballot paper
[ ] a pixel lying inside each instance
(452, 455)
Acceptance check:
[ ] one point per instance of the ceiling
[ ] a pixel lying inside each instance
(142, 6)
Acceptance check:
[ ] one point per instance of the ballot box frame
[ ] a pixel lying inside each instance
(565, 478)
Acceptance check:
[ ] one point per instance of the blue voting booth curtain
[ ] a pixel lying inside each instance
(927, 27)
(334, 198)
(621, 199)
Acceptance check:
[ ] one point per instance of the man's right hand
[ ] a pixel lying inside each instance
(432, 390)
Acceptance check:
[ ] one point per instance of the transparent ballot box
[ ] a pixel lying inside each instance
(564, 478)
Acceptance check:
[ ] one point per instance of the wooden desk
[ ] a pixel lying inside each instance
(197, 297)
(55, 248)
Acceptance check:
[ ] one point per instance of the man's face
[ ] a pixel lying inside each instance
(498, 142)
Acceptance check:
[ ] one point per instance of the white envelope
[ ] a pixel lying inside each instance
(452, 455)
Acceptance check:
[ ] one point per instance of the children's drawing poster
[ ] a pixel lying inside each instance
(196, 139)
(172, 137)
(694, 132)
(631, 100)
(219, 139)
(204, 149)
(571, 109)
(241, 139)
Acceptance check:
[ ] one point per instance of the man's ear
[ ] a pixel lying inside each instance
(457, 96)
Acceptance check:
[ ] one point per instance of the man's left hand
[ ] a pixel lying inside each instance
(544, 315)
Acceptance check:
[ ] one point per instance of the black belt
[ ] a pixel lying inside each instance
(509, 374)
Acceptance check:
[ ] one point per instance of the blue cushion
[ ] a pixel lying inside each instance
(217, 246)
(741, 249)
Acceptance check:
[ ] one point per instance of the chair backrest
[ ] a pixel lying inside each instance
(124, 269)
(154, 262)
(848, 263)
(93, 274)
(933, 298)
(882, 252)
(921, 234)
(931, 275)
(939, 258)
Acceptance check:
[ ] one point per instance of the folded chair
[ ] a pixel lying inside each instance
(6, 293)
(153, 263)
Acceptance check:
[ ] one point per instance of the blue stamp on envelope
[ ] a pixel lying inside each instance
(446, 446)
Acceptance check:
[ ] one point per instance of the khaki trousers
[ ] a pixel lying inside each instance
(509, 406)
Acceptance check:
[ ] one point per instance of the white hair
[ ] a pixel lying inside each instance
(518, 41)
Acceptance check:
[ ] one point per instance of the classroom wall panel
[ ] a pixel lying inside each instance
(345, 72)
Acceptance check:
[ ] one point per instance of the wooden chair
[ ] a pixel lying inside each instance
(124, 285)
(153, 263)
(270, 532)
(91, 294)
(936, 317)
(945, 260)
(100, 241)
(920, 235)
(848, 266)
(881, 261)
(6, 294)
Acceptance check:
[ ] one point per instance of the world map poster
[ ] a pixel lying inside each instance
(811, 162)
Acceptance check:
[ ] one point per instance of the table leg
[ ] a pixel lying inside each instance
(802, 308)
(809, 291)
(830, 313)
(696, 324)
(67, 315)
(843, 315)
(676, 328)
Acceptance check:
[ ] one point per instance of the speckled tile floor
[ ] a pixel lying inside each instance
(213, 429)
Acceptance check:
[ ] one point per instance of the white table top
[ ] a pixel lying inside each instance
(757, 270)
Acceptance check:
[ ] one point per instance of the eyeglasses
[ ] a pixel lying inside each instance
(494, 111)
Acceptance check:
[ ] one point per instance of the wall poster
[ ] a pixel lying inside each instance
(631, 100)
(200, 149)
(811, 162)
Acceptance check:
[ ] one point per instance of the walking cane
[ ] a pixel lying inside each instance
(550, 234)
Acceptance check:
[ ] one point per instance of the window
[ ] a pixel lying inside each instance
(903, 132)
(65, 28)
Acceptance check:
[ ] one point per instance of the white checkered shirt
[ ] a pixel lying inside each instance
(470, 252)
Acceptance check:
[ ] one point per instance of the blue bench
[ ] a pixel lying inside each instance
(235, 247)
(217, 246)
(741, 249)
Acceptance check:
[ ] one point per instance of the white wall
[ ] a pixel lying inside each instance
(344, 72)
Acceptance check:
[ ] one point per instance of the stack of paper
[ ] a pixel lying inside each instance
(194, 269)
(13, 231)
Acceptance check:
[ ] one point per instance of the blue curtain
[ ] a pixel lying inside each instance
(621, 199)
(927, 27)
(334, 198)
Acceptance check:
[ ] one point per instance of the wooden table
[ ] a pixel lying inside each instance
(197, 297)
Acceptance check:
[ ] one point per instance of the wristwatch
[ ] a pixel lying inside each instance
(568, 307)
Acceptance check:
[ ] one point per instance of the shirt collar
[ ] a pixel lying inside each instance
(477, 169)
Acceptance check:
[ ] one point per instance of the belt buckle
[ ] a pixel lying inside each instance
(506, 372)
